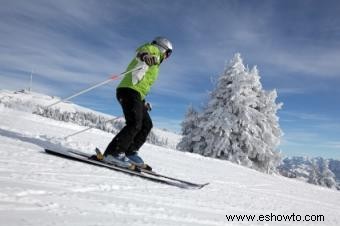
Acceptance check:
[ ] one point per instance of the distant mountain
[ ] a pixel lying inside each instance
(319, 171)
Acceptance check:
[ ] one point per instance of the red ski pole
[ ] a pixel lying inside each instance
(112, 78)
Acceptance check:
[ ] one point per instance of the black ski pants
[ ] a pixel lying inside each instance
(138, 123)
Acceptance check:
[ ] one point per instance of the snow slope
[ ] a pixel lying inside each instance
(28, 101)
(41, 189)
(32, 101)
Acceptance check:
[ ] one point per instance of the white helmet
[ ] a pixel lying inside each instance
(164, 45)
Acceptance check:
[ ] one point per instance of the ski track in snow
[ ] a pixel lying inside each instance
(41, 189)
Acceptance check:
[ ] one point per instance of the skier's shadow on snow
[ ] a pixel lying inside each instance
(40, 141)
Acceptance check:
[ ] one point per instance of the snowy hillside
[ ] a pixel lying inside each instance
(69, 112)
(29, 101)
(40, 189)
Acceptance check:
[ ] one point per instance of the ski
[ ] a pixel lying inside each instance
(153, 173)
(174, 179)
(85, 158)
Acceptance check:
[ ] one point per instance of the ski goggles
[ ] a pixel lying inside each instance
(166, 52)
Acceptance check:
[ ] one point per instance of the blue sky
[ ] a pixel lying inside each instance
(295, 44)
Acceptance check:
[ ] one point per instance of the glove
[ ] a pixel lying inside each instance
(150, 59)
(148, 106)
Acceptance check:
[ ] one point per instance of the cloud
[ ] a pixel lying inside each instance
(306, 116)
(58, 40)
(333, 145)
(293, 91)
(300, 137)
(321, 62)
(77, 42)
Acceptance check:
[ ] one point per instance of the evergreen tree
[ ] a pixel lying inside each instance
(314, 173)
(327, 177)
(239, 122)
(188, 126)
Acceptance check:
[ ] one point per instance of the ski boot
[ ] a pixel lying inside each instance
(119, 160)
(135, 159)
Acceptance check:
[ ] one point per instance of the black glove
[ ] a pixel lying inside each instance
(149, 59)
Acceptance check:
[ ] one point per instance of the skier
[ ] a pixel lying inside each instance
(131, 93)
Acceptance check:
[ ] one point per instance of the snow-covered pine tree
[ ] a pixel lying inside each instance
(239, 122)
(188, 126)
(327, 177)
(314, 172)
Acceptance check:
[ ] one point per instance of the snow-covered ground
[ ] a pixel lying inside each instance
(27, 101)
(33, 102)
(41, 189)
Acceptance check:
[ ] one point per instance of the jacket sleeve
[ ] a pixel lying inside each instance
(148, 49)
(138, 75)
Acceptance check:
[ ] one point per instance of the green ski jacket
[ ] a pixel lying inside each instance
(143, 79)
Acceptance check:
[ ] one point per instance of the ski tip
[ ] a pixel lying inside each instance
(203, 185)
(200, 186)
(194, 186)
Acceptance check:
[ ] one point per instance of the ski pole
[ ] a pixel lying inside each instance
(91, 127)
(114, 77)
